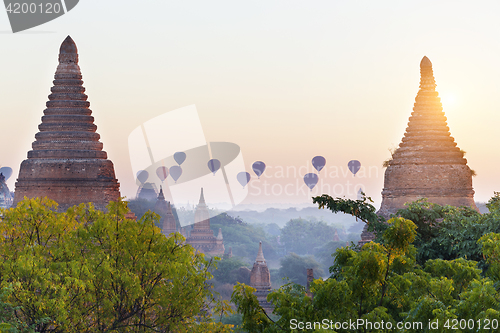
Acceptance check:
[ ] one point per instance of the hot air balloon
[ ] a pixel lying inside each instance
(354, 166)
(258, 167)
(311, 179)
(243, 178)
(142, 176)
(214, 165)
(6, 172)
(180, 157)
(162, 173)
(318, 162)
(175, 172)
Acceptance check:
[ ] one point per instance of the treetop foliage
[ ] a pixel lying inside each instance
(294, 267)
(89, 271)
(385, 281)
(301, 236)
(361, 208)
(242, 237)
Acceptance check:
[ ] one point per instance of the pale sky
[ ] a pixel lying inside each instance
(284, 80)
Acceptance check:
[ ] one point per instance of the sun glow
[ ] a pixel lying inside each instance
(448, 100)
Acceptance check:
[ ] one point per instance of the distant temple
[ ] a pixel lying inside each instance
(5, 196)
(260, 279)
(310, 279)
(428, 163)
(201, 236)
(163, 208)
(67, 163)
(359, 196)
(229, 253)
(336, 237)
(147, 191)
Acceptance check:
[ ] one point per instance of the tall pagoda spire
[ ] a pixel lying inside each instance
(219, 235)
(427, 82)
(202, 197)
(202, 237)
(219, 243)
(67, 163)
(201, 214)
(260, 255)
(428, 163)
(163, 208)
(161, 197)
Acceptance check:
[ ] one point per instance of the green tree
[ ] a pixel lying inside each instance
(325, 252)
(242, 237)
(302, 237)
(383, 281)
(447, 232)
(444, 232)
(227, 270)
(361, 209)
(254, 318)
(364, 285)
(141, 206)
(294, 267)
(9, 322)
(90, 271)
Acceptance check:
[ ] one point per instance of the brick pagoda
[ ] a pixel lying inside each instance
(67, 163)
(164, 209)
(202, 237)
(260, 279)
(428, 163)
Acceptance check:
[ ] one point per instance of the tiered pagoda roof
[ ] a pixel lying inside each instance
(201, 236)
(164, 209)
(260, 279)
(67, 163)
(428, 163)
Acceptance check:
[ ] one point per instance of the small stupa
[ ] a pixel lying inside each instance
(219, 244)
(201, 214)
(229, 253)
(336, 237)
(428, 163)
(260, 279)
(359, 195)
(5, 196)
(67, 163)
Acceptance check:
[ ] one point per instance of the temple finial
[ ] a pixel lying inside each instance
(260, 255)
(160, 195)
(68, 52)
(427, 81)
(67, 137)
(202, 197)
(425, 62)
